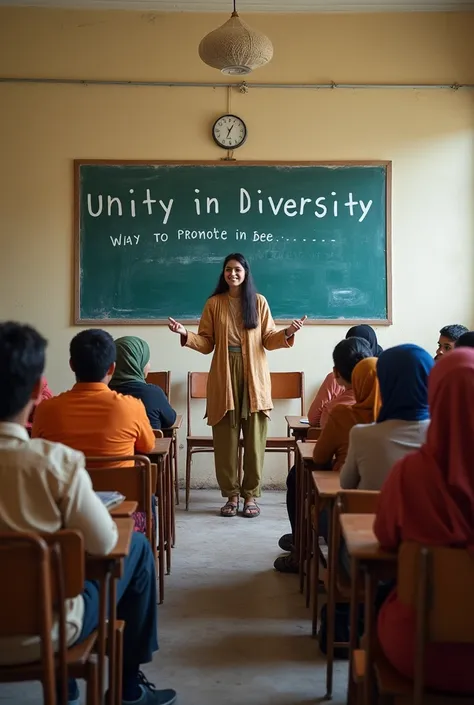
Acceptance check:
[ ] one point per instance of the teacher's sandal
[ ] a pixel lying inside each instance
(229, 509)
(251, 510)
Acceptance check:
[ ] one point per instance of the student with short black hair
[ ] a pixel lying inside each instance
(91, 417)
(466, 340)
(448, 336)
(44, 487)
(346, 355)
(331, 392)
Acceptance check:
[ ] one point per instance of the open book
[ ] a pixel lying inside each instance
(110, 499)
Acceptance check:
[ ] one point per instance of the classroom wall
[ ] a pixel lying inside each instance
(427, 134)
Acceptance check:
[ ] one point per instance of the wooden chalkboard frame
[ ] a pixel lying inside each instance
(78, 320)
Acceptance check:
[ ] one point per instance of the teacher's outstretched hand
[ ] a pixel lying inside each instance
(296, 325)
(176, 327)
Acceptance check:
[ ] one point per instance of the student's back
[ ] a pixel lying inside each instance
(428, 498)
(132, 367)
(401, 425)
(91, 417)
(96, 420)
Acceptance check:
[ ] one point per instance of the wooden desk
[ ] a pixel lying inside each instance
(304, 464)
(172, 432)
(160, 455)
(107, 570)
(367, 556)
(326, 485)
(296, 428)
(124, 509)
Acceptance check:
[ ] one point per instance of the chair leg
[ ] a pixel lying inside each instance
(176, 468)
(314, 582)
(189, 459)
(93, 682)
(118, 666)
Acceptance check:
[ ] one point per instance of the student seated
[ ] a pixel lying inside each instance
(45, 393)
(331, 392)
(428, 498)
(44, 487)
(331, 448)
(131, 369)
(466, 340)
(346, 355)
(90, 417)
(448, 337)
(401, 425)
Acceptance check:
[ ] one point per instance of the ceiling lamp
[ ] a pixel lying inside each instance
(235, 48)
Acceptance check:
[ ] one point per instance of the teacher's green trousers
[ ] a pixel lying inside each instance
(226, 435)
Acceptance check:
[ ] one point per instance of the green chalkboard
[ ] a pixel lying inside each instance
(151, 237)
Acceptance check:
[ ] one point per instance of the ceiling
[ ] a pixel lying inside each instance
(245, 6)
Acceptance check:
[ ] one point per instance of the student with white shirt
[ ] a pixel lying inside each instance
(44, 487)
(401, 425)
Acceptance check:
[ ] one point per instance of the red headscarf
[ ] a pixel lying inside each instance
(429, 495)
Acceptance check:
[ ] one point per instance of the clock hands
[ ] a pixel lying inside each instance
(229, 130)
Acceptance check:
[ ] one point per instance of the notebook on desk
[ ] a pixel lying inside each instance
(110, 499)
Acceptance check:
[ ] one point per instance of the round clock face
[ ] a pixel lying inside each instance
(229, 132)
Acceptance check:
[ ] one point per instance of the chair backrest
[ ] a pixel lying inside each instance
(439, 584)
(197, 389)
(158, 433)
(445, 579)
(161, 379)
(288, 385)
(313, 433)
(133, 481)
(45, 571)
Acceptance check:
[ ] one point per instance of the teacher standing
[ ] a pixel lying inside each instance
(237, 325)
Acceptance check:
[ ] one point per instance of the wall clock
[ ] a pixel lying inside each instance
(229, 132)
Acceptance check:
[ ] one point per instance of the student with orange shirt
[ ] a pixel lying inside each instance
(90, 417)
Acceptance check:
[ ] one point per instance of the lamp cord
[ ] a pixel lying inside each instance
(234, 6)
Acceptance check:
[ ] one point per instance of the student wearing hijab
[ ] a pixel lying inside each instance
(428, 498)
(333, 442)
(401, 425)
(133, 365)
(332, 392)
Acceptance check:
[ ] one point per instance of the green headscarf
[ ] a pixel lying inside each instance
(133, 354)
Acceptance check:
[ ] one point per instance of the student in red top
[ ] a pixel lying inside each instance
(428, 498)
(45, 393)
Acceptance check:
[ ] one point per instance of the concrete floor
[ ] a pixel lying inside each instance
(232, 630)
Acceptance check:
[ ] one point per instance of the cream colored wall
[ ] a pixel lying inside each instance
(428, 135)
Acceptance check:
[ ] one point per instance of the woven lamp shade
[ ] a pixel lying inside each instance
(235, 48)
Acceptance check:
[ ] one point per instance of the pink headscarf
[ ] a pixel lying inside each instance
(429, 495)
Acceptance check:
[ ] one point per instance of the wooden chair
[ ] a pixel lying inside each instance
(161, 379)
(439, 584)
(42, 578)
(197, 389)
(286, 385)
(136, 483)
(336, 582)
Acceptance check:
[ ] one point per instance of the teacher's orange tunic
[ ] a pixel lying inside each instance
(213, 334)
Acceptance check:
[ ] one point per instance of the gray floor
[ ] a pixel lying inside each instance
(232, 630)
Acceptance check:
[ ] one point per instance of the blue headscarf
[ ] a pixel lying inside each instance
(403, 374)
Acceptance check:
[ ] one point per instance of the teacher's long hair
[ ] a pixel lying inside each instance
(248, 296)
